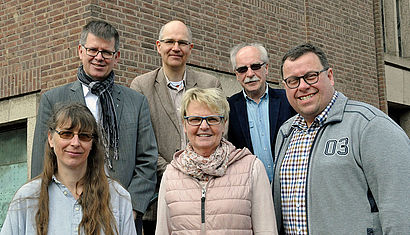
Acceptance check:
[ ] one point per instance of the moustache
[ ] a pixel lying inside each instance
(251, 79)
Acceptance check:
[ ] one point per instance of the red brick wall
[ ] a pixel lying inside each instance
(38, 40)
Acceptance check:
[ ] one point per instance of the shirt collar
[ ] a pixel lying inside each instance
(264, 96)
(86, 90)
(319, 119)
(169, 84)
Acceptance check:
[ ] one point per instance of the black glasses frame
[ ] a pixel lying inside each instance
(254, 67)
(305, 77)
(108, 54)
(187, 118)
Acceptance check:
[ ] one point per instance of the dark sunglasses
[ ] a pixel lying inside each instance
(254, 67)
(68, 135)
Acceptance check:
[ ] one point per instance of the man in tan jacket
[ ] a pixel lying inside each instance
(164, 88)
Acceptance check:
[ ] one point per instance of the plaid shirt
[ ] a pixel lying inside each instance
(294, 169)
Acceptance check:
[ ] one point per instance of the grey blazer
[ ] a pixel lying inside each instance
(163, 114)
(136, 167)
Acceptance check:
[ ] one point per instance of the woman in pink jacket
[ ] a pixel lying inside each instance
(211, 187)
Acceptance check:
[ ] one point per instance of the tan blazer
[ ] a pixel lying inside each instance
(163, 113)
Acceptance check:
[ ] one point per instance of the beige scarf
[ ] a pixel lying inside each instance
(202, 168)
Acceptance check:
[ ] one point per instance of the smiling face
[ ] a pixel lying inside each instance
(204, 138)
(71, 153)
(252, 81)
(174, 56)
(309, 100)
(97, 67)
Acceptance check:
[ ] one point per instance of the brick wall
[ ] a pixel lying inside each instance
(39, 39)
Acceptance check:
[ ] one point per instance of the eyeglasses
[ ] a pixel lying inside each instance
(171, 42)
(254, 67)
(310, 78)
(68, 135)
(94, 52)
(197, 120)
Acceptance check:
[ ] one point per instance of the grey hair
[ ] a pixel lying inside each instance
(161, 31)
(102, 30)
(263, 53)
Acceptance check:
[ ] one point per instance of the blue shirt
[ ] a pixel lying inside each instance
(65, 213)
(258, 116)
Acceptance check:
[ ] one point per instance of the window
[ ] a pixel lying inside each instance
(13, 163)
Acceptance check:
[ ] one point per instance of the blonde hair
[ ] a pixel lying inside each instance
(212, 97)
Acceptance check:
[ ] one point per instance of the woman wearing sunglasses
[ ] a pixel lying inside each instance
(72, 195)
(211, 187)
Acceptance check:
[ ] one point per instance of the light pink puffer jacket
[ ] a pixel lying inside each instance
(227, 204)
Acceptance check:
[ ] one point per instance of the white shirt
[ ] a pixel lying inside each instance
(92, 102)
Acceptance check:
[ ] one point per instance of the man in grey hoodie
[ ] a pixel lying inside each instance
(342, 166)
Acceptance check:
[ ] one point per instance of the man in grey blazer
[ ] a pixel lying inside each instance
(164, 88)
(122, 112)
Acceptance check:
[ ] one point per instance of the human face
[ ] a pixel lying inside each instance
(71, 153)
(309, 100)
(252, 81)
(203, 138)
(97, 67)
(174, 56)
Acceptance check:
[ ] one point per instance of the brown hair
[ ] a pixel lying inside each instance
(95, 199)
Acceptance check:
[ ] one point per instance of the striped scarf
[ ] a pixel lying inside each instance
(103, 90)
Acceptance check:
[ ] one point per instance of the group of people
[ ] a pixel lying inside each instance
(155, 158)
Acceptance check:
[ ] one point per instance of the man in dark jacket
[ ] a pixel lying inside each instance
(257, 112)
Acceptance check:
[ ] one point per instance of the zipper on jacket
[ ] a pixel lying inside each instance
(203, 205)
(203, 199)
(275, 166)
(319, 132)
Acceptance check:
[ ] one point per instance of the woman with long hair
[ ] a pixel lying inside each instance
(72, 195)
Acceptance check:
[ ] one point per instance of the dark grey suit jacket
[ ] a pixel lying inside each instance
(136, 167)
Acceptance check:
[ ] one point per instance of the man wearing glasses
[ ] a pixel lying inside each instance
(131, 150)
(164, 88)
(257, 112)
(342, 165)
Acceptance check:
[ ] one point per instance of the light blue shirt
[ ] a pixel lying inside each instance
(65, 213)
(258, 116)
